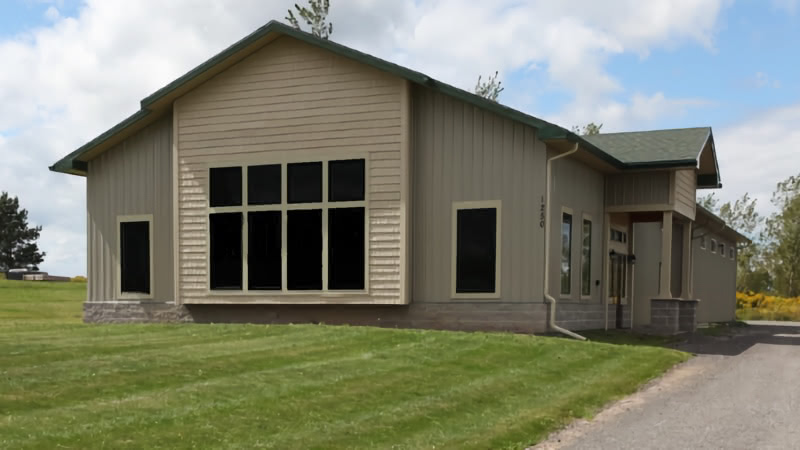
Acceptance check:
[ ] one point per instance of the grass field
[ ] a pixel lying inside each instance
(68, 385)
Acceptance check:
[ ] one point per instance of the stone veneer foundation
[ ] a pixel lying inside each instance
(465, 316)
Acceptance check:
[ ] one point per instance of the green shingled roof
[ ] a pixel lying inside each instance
(638, 147)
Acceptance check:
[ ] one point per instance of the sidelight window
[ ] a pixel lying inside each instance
(586, 259)
(566, 253)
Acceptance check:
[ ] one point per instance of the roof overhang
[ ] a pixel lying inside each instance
(160, 102)
(708, 176)
(717, 224)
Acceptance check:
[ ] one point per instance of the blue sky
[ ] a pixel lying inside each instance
(75, 68)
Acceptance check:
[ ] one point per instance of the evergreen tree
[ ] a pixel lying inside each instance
(18, 247)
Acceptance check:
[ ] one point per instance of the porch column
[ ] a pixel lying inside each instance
(666, 256)
(686, 264)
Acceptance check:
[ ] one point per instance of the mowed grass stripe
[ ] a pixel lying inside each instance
(314, 377)
(166, 367)
(65, 384)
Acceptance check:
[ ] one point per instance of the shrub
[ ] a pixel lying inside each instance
(753, 306)
(78, 279)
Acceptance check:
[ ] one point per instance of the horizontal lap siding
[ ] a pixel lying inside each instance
(290, 97)
(686, 192)
(463, 153)
(132, 178)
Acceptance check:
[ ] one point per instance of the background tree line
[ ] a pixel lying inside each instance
(771, 262)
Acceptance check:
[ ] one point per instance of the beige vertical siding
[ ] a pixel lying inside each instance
(714, 279)
(291, 99)
(647, 248)
(638, 189)
(462, 153)
(133, 178)
(686, 192)
(579, 188)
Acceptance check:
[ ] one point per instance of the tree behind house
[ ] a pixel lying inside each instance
(587, 130)
(17, 241)
(489, 89)
(315, 16)
(783, 231)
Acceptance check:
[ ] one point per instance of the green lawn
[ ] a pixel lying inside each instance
(68, 385)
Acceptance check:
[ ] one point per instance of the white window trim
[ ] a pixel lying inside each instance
(134, 218)
(713, 246)
(283, 207)
(484, 204)
(566, 210)
(587, 217)
(721, 247)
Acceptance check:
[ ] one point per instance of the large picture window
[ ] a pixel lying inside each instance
(586, 259)
(566, 253)
(134, 272)
(476, 249)
(295, 226)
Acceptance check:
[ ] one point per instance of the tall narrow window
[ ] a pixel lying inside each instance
(586, 259)
(722, 249)
(226, 250)
(566, 253)
(264, 250)
(304, 249)
(346, 248)
(134, 258)
(476, 248)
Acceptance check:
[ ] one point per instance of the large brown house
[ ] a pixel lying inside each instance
(292, 179)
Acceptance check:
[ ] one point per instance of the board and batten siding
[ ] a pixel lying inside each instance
(290, 101)
(686, 192)
(579, 188)
(462, 153)
(640, 189)
(132, 178)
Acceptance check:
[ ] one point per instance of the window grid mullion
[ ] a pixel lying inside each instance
(325, 166)
(245, 233)
(284, 227)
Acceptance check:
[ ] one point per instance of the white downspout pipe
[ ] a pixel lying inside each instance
(549, 298)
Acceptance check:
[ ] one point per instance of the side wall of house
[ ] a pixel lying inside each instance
(462, 153)
(714, 279)
(577, 189)
(133, 178)
(291, 101)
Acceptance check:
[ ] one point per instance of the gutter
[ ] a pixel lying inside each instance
(551, 322)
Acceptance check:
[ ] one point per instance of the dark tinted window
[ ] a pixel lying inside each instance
(226, 186)
(304, 249)
(135, 257)
(305, 182)
(566, 253)
(226, 251)
(346, 248)
(346, 180)
(264, 250)
(264, 185)
(476, 252)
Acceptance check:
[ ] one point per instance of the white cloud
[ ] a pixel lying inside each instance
(789, 6)
(77, 76)
(757, 153)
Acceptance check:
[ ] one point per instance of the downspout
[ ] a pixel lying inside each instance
(549, 298)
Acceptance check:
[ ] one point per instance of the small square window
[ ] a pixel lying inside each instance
(346, 180)
(264, 185)
(226, 186)
(304, 182)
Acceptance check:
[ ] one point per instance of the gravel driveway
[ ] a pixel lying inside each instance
(740, 392)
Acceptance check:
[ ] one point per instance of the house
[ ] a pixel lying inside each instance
(292, 179)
